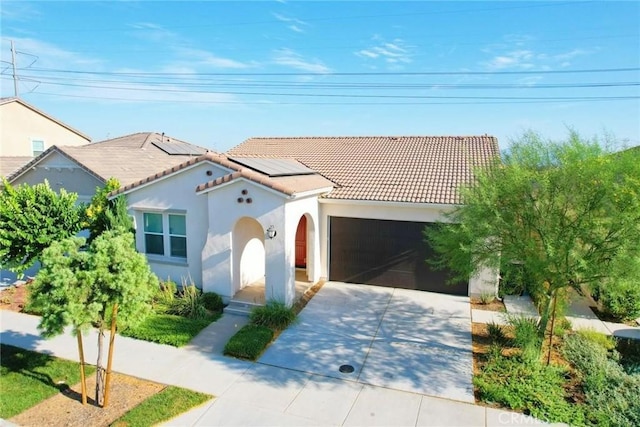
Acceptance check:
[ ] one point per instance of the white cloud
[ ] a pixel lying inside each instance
(395, 52)
(295, 23)
(517, 52)
(521, 59)
(292, 59)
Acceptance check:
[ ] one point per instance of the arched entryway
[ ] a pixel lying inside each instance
(304, 244)
(248, 255)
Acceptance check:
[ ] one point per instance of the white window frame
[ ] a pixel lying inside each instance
(166, 237)
(33, 149)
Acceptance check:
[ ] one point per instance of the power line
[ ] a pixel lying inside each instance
(341, 103)
(327, 74)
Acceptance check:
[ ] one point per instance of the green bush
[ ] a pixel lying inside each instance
(629, 350)
(212, 301)
(275, 315)
(249, 342)
(612, 395)
(188, 303)
(605, 341)
(496, 334)
(527, 386)
(164, 296)
(621, 299)
(526, 336)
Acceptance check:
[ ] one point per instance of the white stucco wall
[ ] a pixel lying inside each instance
(21, 125)
(177, 194)
(268, 208)
(218, 255)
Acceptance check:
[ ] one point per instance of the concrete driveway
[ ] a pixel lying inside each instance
(395, 338)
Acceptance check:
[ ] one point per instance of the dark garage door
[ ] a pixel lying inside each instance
(385, 253)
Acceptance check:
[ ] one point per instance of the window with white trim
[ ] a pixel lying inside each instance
(165, 234)
(37, 147)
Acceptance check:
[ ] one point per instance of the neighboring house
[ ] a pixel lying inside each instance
(26, 132)
(128, 158)
(84, 168)
(345, 208)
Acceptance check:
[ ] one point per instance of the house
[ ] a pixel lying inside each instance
(26, 132)
(340, 208)
(81, 169)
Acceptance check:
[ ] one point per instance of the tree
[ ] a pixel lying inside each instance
(562, 214)
(103, 214)
(31, 218)
(82, 288)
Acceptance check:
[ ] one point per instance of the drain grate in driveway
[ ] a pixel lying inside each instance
(346, 369)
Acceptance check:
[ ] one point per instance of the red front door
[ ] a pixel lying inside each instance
(301, 243)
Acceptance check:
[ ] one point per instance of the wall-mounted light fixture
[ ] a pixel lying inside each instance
(271, 232)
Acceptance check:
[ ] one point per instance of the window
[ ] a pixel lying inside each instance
(37, 147)
(165, 234)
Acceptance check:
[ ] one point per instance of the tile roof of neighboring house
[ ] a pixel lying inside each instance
(288, 185)
(415, 169)
(128, 158)
(42, 113)
(9, 164)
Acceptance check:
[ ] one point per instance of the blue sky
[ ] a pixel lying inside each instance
(215, 73)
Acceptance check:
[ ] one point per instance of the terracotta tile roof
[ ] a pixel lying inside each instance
(288, 185)
(414, 169)
(9, 164)
(128, 158)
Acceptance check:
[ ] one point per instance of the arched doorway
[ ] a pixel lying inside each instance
(305, 250)
(248, 254)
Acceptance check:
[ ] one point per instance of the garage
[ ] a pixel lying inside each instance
(385, 253)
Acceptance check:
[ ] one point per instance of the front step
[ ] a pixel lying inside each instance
(241, 308)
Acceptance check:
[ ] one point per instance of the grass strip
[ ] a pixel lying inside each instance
(169, 329)
(27, 378)
(163, 406)
(249, 342)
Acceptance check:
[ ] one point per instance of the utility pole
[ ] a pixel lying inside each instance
(15, 77)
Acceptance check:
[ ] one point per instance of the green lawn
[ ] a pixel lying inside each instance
(160, 407)
(169, 329)
(27, 378)
(249, 342)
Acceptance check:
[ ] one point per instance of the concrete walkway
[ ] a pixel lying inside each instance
(578, 312)
(256, 394)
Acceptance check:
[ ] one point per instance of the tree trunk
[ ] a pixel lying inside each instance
(553, 324)
(100, 371)
(83, 378)
(112, 338)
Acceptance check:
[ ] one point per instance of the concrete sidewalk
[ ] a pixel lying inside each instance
(256, 394)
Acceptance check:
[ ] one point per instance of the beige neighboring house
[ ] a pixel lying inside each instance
(26, 132)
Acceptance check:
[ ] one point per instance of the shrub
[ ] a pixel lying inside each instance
(275, 315)
(621, 299)
(613, 396)
(487, 297)
(527, 386)
(188, 303)
(164, 296)
(212, 301)
(526, 336)
(496, 333)
(605, 341)
(249, 342)
(629, 350)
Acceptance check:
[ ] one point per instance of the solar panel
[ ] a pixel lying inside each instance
(174, 147)
(274, 167)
